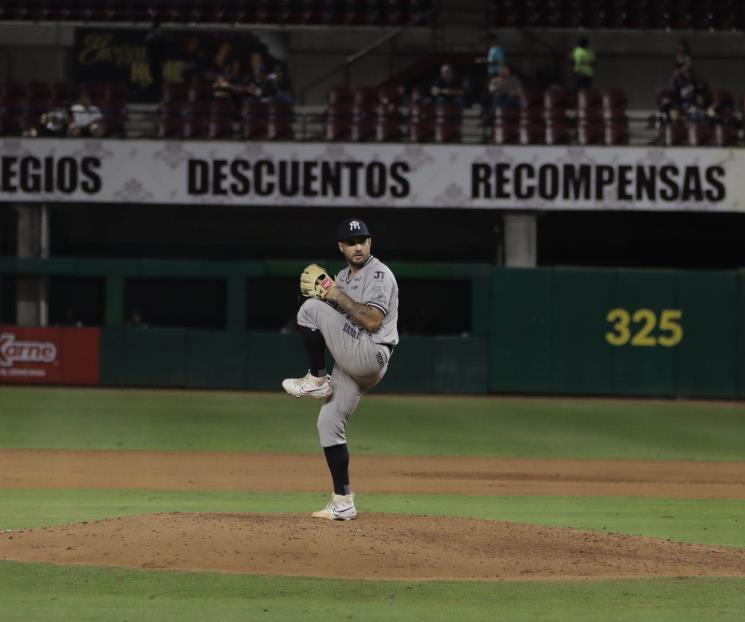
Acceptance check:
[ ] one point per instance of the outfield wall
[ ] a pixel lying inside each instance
(537, 331)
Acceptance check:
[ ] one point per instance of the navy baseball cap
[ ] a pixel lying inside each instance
(352, 228)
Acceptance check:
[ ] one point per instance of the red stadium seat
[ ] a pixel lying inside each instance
(422, 110)
(38, 90)
(674, 134)
(13, 89)
(11, 124)
(534, 113)
(196, 127)
(255, 128)
(222, 107)
(254, 109)
(95, 90)
(591, 114)
(387, 130)
(588, 99)
(363, 109)
(590, 133)
(532, 133)
(531, 98)
(389, 111)
(339, 95)
(725, 135)
(338, 128)
(170, 127)
(557, 133)
(115, 124)
(700, 135)
(555, 99)
(200, 92)
(280, 109)
(422, 130)
(614, 104)
(13, 106)
(220, 126)
(365, 96)
(170, 109)
(339, 109)
(174, 92)
(362, 130)
(616, 132)
(202, 108)
(279, 128)
(447, 112)
(506, 131)
(613, 98)
(391, 94)
(447, 131)
(555, 115)
(63, 90)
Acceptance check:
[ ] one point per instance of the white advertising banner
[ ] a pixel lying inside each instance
(372, 175)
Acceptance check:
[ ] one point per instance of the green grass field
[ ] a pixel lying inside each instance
(247, 422)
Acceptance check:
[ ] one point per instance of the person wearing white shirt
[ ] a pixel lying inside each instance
(87, 119)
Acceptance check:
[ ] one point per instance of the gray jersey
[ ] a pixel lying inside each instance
(374, 285)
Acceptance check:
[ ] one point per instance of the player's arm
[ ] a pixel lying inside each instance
(368, 317)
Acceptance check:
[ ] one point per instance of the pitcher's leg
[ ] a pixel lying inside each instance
(332, 431)
(335, 413)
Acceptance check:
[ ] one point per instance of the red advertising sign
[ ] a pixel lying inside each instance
(49, 355)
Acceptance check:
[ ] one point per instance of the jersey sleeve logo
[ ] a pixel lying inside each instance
(379, 274)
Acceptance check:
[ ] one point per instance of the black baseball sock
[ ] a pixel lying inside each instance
(337, 457)
(315, 347)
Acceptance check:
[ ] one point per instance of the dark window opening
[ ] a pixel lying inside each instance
(173, 302)
(76, 301)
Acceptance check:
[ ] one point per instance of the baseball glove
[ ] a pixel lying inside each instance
(315, 282)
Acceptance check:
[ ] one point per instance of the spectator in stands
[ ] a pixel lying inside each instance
(135, 320)
(494, 58)
(683, 59)
(693, 93)
(583, 59)
(70, 319)
(155, 48)
(277, 86)
(505, 89)
(197, 65)
(447, 88)
(669, 110)
(87, 119)
(53, 123)
(230, 83)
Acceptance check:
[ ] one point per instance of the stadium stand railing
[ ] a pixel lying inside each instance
(665, 15)
(287, 13)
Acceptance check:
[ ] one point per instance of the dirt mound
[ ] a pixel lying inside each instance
(152, 470)
(376, 546)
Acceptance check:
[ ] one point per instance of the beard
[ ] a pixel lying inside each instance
(358, 261)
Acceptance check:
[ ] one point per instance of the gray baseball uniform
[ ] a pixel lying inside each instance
(361, 357)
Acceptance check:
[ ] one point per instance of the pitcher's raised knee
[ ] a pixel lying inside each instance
(306, 315)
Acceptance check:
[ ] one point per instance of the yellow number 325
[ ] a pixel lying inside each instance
(670, 331)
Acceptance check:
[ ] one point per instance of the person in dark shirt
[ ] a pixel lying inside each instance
(447, 88)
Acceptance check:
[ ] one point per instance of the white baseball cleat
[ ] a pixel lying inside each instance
(341, 507)
(310, 386)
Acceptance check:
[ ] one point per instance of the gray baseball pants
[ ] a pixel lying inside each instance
(360, 365)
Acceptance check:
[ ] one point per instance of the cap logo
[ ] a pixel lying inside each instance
(354, 225)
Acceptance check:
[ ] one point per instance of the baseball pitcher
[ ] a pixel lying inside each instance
(355, 317)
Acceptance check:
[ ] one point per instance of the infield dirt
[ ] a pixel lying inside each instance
(379, 546)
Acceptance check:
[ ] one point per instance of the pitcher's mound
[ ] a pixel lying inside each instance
(375, 546)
